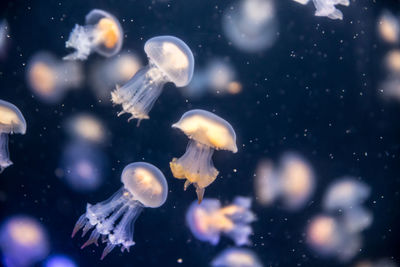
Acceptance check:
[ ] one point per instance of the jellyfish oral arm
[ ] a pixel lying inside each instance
(82, 38)
(4, 152)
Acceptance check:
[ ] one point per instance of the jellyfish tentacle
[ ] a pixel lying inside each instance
(4, 152)
(79, 224)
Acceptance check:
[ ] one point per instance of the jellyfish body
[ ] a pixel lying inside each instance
(87, 128)
(389, 27)
(49, 78)
(114, 218)
(266, 183)
(11, 121)
(170, 60)
(59, 260)
(236, 257)
(327, 8)
(208, 220)
(102, 33)
(206, 132)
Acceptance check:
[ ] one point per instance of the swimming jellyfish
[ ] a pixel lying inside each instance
(59, 260)
(206, 132)
(113, 219)
(236, 257)
(11, 121)
(327, 8)
(389, 27)
(266, 183)
(102, 34)
(86, 127)
(49, 78)
(170, 60)
(209, 220)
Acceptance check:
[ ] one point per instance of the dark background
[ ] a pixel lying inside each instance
(315, 91)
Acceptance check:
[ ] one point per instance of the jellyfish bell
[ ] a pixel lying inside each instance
(11, 121)
(266, 183)
(392, 61)
(206, 132)
(221, 77)
(389, 27)
(102, 33)
(144, 186)
(170, 60)
(59, 260)
(86, 127)
(236, 257)
(327, 8)
(357, 219)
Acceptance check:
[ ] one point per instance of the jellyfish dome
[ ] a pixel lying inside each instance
(23, 241)
(208, 220)
(236, 257)
(389, 27)
(113, 219)
(87, 128)
(59, 260)
(327, 8)
(392, 61)
(222, 77)
(170, 60)
(206, 132)
(11, 121)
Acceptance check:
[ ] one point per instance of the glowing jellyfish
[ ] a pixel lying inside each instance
(170, 60)
(49, 78)
(86, 127)
(206, 132)
(266, 183)
(377, 263)
(251, 25)
(222, 77)
(303, 2)
(102, 34)
(391, 87)
(23, 241)
(113, 219)
(209, 220)
(59, 261)
(392, 61)
(345, 193)
(236, 257)
(327, 8)
(389, 27)
(11, 121)
(357, 219)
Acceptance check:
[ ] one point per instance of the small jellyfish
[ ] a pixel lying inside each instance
(11, 121)
(170, 60)
(391, 87)
(266, 183)
(236, 257)
(209, 220)
(206, 132)
(102, 34)
(378, 263)
(392, 61)
(327, 8)
(49, 78)
(389, 27)
(86, 127)
(59, 260)
(23, 241)
(113, 219)
(221, 77)
(357, 219)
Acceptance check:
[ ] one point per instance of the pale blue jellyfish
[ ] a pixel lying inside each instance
(170, 60)
(113, 219)
(59, 260)
(11, 121)
(327, 8)
(236, 257)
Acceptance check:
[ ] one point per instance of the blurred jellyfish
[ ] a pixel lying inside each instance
(377, 263)
(357, 219)
(105, 75)
(389, 27)
(59, 261)
(49, 78)
(102, 33)
(222, 77)
(327, 8)
(170, 60)
(11, 121)
(209, 220)
(82, 166)
(303, 2)
(390, 88)
(23, 241)
(266, 183)
(86, 127)
(206, 132)
(251, 25)
(236, 257)
(392, 61)
(3, 37)
(113, 219)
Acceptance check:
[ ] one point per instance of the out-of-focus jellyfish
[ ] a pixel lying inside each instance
(86, 127)
(49, 78)
(209, 220)
(266, 183)
(236, 257)
(102, 33)
(206, 132)
(113, 219)
(23, 241)
(251, 25)
(3, 37)
(82, 166)
(392, 61)
(59, 261)
(377, 263)
(390, 88)
(357, 219)
(345, 193)
(222, 77)
(106, 74)
(327, 8)
(11, 121)
(389, 27)
(303, 2)
(170, 60)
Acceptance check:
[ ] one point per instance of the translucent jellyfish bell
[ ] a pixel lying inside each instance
(206, 132)
(236, 257)
(266, 183)
(59, 260)
(102, 33)
(170, 60)
(389, 27)
(221, 77)
(86, 127)
(327, 8)
(11, 121)
(209, 220)
(392, 61)
(49, 78)
(113, 219)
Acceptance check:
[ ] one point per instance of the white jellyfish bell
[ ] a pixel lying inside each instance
(144, 187)
(327, 8)
(102, 33)
(170, 60)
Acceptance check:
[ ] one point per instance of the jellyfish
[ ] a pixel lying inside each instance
(392, 61)
(327, 8)
(209, 220)
(390, 88)
(266, 183)
(144, 186)
(378, 263)
(236, 257)
(86, 127)
(50, 78)
(222, 77)
(389, 27)
(303, 2)
(3, 37)
(59, 260)
(11, 121)
(206, 132)
(357, 219)
(170, 60)
(102, 34)
(23, 241)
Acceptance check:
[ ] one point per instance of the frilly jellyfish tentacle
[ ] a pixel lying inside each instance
(4, 152)
(81, 39)
(240, 234)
